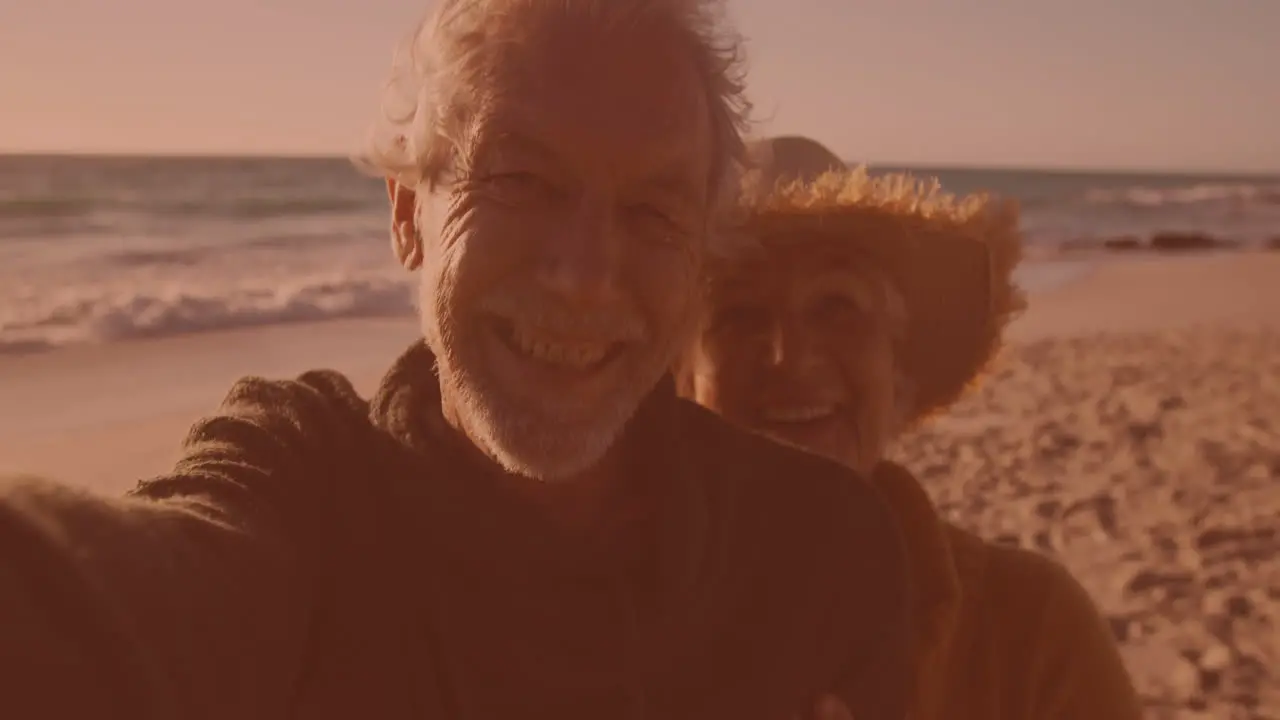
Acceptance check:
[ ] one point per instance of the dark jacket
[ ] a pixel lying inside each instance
(314, 555)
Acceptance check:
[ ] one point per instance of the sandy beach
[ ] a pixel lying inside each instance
(1131, 428)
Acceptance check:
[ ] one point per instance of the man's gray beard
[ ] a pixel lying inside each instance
(535, 444)
(540, 443)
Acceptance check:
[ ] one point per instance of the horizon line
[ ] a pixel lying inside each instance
(1065, 169)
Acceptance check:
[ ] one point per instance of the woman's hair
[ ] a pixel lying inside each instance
(438, 79)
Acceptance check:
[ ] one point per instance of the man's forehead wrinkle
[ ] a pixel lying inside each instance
(646, 156)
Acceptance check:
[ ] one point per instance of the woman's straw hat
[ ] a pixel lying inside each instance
(951, 258)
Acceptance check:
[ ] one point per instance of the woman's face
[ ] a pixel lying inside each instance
(799, 345)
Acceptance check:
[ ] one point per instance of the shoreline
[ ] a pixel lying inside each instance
(1156, 293)
(1043, 270)
(103, 415)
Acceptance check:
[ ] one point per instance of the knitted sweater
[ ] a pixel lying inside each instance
(315, 556)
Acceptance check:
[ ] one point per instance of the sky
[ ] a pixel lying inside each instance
(1107, 84)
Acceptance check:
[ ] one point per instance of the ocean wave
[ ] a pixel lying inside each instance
(1240, 194)
(44, 208)
(194, 255)
(261, 208)
(105, 317)
(249, 208)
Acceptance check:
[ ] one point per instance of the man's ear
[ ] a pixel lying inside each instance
(406, 241)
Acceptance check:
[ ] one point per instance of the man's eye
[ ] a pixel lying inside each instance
(518, 184)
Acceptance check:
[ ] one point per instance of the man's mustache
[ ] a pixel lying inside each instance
(615, 323)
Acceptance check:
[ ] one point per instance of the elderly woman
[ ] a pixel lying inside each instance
(858, 307)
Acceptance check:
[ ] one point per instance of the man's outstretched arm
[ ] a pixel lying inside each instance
(188, 599)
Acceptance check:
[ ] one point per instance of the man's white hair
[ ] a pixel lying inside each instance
(437, 80)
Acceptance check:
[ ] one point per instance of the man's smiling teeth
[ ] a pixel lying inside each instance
(567, 354)
(799, 414)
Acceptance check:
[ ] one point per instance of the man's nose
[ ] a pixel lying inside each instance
(791, 347)
(581, 264)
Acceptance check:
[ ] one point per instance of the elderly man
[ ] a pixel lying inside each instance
(525, 521)
(857, 307)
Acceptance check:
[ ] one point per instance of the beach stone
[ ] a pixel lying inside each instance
(1228, 604)
(1184, 679)
(1049, 509)
(1210, 680)
(1125, 243)
(1177, 241)
(1216, 657)
(1148, 580)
